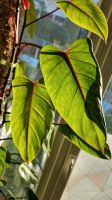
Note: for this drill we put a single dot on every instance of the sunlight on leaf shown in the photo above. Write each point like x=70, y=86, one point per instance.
x=85, y=14
x=31, y=117
x=73, y=81
x=20, y=68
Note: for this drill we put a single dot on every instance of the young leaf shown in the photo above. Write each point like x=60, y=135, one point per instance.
x=31, y=15
x=75, y=139
x=2, y=160
x=26, y=4
x=73, y=81
x=85, y=14
x=31, y=116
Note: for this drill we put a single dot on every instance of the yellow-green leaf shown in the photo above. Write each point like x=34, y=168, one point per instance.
x=73, y=81
x=85, y=14
x=31, y=116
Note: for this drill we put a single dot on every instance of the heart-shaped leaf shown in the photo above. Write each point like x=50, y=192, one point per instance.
x=73, y=81
x=75, y=139
x=85, y=14
x=31, y=116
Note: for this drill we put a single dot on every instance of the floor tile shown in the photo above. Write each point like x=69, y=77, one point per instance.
x=74, y=180
x=109, y=193
x=100, y=179
x=101, y=196
x=91, y=179
x=108, y=184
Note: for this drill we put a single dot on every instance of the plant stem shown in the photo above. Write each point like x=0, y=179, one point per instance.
x=6, y=139
x=57, y=124
x=17, y=47
x=23, y=26
x=17, y=30
x=46, y=15
x=29, y=44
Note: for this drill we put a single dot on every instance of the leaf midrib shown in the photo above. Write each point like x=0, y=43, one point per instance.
x=66, y=57
x=29, y=115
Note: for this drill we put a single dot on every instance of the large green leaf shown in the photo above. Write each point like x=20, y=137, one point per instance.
x=85, y=14
x=2, y=160
x=75, y=139
x=73, y=81
x=31, y=116
x=31, y=15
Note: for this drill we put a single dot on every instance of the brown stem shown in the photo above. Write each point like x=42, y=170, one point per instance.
x=30, y=44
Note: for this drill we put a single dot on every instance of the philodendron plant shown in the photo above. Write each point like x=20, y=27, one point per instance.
x=73, y=85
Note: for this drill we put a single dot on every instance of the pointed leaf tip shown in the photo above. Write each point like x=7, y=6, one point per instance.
x=85, y=14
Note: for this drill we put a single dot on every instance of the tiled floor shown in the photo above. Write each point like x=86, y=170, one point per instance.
x=91, y=179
